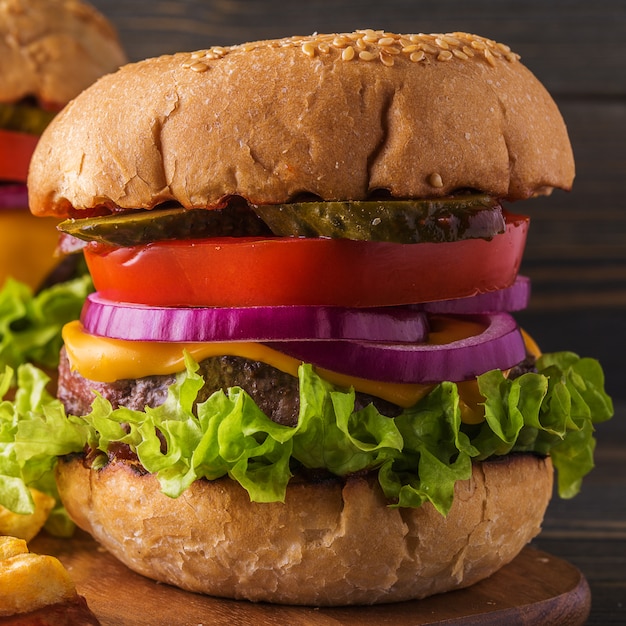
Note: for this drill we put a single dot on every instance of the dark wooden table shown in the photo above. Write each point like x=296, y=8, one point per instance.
x=576, y=254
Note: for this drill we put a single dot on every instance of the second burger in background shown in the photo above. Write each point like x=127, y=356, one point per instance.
x=50, y=50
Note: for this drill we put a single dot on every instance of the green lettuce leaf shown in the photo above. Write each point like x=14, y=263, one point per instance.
x=419, y=455
x=30, y=325
x=34, y=432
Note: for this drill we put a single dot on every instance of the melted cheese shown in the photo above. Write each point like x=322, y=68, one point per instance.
x=27, y=246
x=531, y=345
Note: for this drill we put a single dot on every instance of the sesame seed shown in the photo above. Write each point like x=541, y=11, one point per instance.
x=460, y=55
x=361, y=43
x=348, y=53
x=198, y=66
x=444, y=55
x=308, y=48
x=386, y=41
x=386, y=59
x=426, y=47
x=453, y=41
x=420, y=55
x=435, y=180
x=324, y=47
x=370, y=38
x=364, y=55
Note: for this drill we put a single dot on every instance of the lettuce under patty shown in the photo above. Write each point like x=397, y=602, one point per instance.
x=418, y=455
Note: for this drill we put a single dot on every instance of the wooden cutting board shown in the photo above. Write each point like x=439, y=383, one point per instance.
x=536, y=588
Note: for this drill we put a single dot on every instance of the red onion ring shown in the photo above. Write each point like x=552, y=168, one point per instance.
x=136, y=322
x=13, y=196
x=499, y=346
x=513, y=298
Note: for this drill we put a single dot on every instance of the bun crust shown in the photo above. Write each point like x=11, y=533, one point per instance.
x=328, y=544
x=338, y=116
x=53, y=49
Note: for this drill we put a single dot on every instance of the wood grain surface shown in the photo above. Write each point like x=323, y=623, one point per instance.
x=576, y=253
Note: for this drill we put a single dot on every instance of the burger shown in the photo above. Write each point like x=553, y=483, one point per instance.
x=299, y=379
x=50, y=50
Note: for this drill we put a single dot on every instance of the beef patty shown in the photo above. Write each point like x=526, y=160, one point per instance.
x=275, y=393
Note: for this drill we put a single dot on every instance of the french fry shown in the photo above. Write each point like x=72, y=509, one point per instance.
x=11, y=546
x=30, y=581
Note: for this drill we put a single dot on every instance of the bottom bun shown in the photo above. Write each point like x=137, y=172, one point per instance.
x=331, y=543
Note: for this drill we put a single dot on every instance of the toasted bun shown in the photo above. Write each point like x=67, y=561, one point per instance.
x=328, y=544
x=338, y=116
x=53, y=49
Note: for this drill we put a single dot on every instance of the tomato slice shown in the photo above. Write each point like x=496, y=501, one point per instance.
x=251, y=271
x=16, y=150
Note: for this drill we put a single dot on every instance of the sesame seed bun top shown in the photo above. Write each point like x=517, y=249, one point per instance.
x=53, y=49
x=339, y=116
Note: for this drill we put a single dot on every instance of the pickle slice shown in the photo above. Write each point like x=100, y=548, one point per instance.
x=24, y=118
x=138, y=227
x=400, y=221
